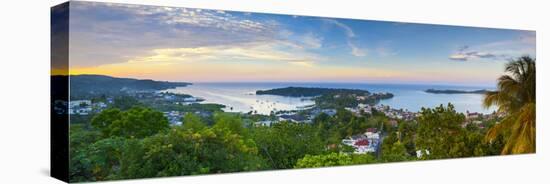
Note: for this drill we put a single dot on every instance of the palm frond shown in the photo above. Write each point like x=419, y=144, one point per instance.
x=516, y=97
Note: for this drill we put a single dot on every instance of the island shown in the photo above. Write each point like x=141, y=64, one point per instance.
x=451, y=91
x=330, y=97
x=309, y=91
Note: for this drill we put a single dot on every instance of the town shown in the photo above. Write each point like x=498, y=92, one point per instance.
x=175, y=106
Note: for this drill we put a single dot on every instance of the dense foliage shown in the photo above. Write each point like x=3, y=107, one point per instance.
x=309, y=92
x=284, y=143
x=138, y=142
x=334, y=159
x=92, y=85
x=440, y=135
x=133, y=138
x=330, y=97
x=136, y=122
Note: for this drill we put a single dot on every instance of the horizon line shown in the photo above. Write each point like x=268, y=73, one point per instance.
x=318, y=82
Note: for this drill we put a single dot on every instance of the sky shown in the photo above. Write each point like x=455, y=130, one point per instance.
x=198, y=45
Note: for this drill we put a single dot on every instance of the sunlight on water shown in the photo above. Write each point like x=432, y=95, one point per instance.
x=239, y=98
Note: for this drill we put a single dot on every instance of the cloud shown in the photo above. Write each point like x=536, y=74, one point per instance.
x=462, y=55
x=356, y=51
x=349, y=32
x=523, y=43
x=350, y=35
x=107, y=33
x=254, y=52
x=312, y=41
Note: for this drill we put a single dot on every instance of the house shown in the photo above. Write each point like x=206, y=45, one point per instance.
x=80, y=107
x=420, y=153
x=264, y=123
x=293, y=118
x=473, y=115
x=190, y=99
x=372, y=130
x=330, y=112
x=101, y=105
x=372, y=135
x=174, y=117
x=363, y=143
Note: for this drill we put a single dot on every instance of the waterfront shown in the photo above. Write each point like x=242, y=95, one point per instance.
x=240, y=97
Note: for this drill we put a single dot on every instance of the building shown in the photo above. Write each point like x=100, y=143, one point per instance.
x=80, y=107
x=473, y=115
x=174, y=117
x=294, y=118
x=264, y=123
x=363, y=143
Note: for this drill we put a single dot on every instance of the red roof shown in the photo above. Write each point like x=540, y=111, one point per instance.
x=362, y=142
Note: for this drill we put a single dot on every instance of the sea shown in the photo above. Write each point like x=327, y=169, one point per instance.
x=241, y=97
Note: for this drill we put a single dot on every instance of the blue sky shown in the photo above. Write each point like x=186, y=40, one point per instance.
x=184, y=44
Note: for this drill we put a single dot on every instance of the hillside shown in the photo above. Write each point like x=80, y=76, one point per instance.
x=84, y=85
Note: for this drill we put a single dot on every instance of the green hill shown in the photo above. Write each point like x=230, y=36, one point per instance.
x=90, y=85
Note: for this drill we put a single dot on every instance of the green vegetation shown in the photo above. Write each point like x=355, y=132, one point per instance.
x=125, y=102
x=516, y=97
x=330, y=97
x=93, y=85
x=334, y=159
x=138, y=142
x=136, y=122
x=193, y=122
x=440, y=132
x=284, y=143
x=189, y=108
x=309, y=92
x=133, y=139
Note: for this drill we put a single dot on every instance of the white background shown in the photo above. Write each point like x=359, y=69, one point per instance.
x=24, y=90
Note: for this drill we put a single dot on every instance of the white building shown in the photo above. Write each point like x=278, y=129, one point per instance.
x=264, y=123
x=80, y=107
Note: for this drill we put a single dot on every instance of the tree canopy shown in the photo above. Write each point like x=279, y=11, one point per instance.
x=136, y=122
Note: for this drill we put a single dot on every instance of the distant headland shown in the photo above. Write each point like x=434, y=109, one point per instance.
x=451, y=91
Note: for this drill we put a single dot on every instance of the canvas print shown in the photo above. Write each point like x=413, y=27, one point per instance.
x=157, y=91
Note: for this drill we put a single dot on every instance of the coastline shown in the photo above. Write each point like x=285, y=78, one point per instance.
x=407, y=97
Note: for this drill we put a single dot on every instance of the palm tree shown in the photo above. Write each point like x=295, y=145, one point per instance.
x=515, y=98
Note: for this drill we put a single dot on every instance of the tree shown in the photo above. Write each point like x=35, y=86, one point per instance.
x=125, y=102
x=397, y=152
x=393, y=150
x=334, y=159
x=331, y=159
x=180, y=152
x=104, y=158
x=80, y=166
x=406, y=134
x=231, y=122
x=193, y=122
x=515, y=97
x=284, y=143
x=136, y=122
x=438, y=132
